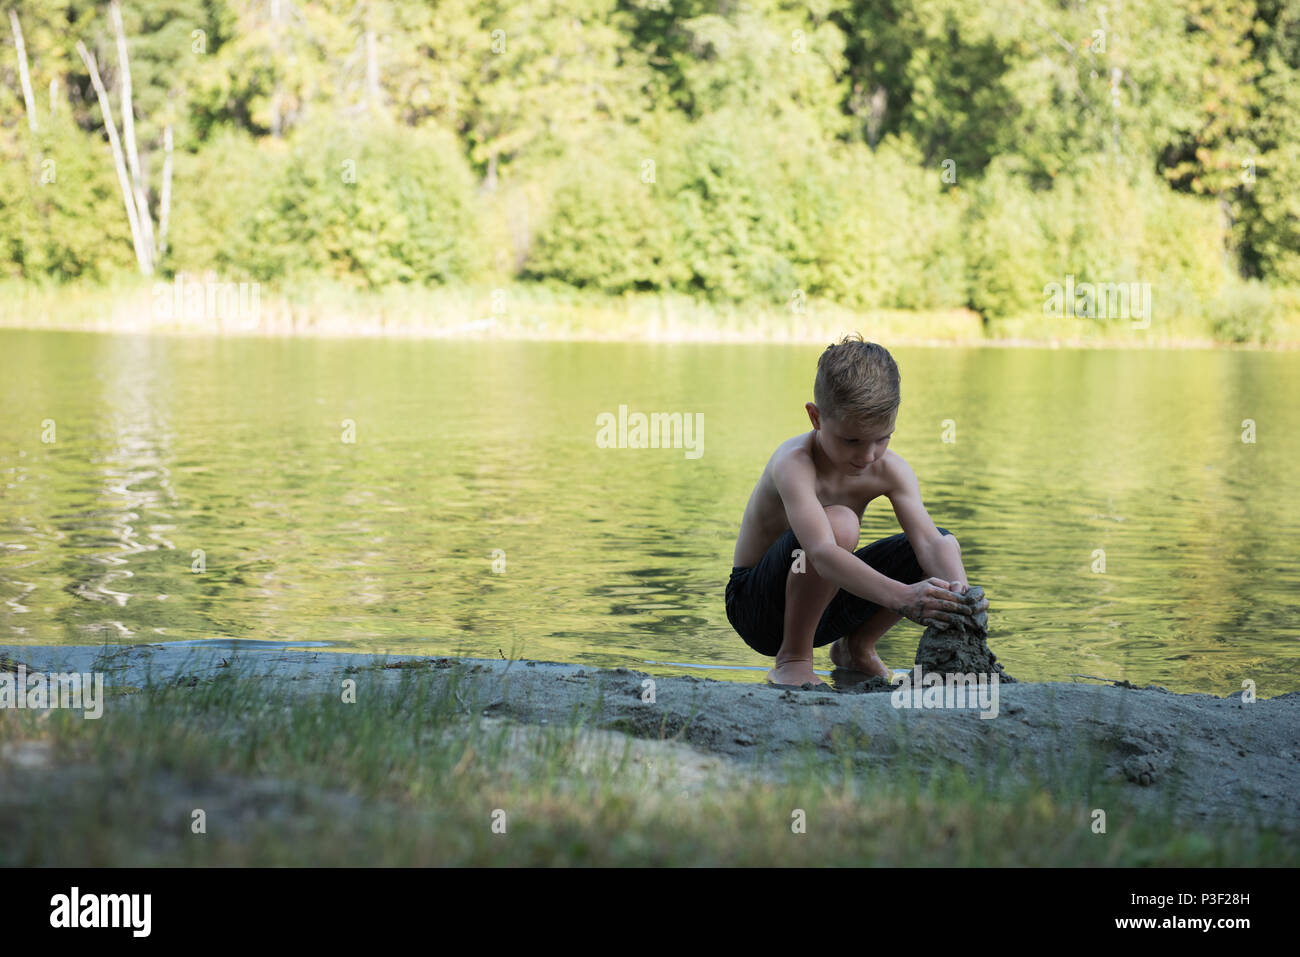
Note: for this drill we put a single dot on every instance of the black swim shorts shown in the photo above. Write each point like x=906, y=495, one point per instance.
x=756, y=595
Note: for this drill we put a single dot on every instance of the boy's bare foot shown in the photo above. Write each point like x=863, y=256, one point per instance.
x=795, y=671
x=870, y=664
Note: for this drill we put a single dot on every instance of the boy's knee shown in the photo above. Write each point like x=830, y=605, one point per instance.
x=844, y=525
x=951, y=537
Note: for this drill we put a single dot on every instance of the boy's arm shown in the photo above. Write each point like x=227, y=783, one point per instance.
x=937, y=553
x=795, y=480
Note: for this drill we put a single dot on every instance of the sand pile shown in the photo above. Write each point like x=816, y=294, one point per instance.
x=962, y=648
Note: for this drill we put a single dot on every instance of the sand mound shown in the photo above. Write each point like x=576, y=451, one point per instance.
x=962, y=648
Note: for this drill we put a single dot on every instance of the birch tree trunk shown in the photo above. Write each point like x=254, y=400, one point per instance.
x=143, y=254
x=275, y=93
x=128, y=132
x=372, y=74
x=23, y=76
x=165, y=204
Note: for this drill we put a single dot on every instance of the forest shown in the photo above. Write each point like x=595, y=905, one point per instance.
x=876, y=154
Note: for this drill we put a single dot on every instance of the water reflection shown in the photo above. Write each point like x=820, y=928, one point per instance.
x=204, y=489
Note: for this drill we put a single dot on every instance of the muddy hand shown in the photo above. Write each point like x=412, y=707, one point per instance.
x=978, y=604
x=981, y=605
x=932, y=602
x=963, y=589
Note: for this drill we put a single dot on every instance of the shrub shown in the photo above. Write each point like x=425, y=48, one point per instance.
x=368, y=205
x=61, y=210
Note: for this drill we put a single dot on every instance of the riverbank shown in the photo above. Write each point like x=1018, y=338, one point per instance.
x=190, y=306
x=411, y=759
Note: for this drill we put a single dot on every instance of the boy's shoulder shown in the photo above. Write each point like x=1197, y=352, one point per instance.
x=801, y=442
x=797, y=448
x=895, y=474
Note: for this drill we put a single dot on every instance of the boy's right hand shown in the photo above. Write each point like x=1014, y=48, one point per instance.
x=930, y=602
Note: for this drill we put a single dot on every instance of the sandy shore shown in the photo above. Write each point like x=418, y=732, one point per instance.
x=1211, y=760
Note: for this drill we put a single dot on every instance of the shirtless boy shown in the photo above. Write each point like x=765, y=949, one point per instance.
x=797, y=582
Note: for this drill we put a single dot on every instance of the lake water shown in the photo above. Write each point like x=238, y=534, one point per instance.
x=179, y=489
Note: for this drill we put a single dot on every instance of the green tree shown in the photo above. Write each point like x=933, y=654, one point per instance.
x=1268, y=205
x=369, y=204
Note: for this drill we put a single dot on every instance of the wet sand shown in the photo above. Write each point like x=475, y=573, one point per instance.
x=1211, y=760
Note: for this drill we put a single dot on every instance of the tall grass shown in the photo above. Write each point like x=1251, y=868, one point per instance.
x=1245, y=313
x=288, y=774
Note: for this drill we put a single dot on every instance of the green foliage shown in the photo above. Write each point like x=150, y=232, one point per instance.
x=902, y=154
x=61, y=211
x=895, y=240
x=743, y=210
x=719, y=208
x=733, y=211
x=1267, y=229
x=1246, y=311
x=1008, y=259
x=215, y=188
x=370, y=204
x=1095, y=225
x=1208, y=160
x=606, y=228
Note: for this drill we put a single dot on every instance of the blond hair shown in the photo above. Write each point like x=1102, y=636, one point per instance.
x=856, y=380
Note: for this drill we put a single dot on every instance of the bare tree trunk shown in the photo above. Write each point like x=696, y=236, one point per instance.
x=128, y=131
x=275, y=93
x=372, y=73
x=142, y=253
x=54, y=95
x=165, y=205
x=876, y=118
x=1225, y=224
x=23, y=76
x=520, y=235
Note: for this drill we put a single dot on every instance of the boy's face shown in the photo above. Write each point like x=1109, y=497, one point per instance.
x=851, y=444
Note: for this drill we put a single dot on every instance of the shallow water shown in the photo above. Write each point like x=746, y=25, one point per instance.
x=468, y=454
